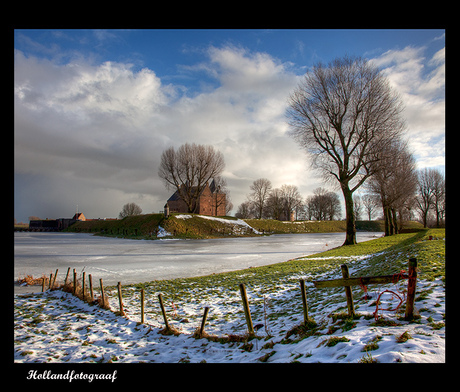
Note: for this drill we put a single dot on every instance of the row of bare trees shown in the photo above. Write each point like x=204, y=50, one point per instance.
x=264, y=201
x=285, y=202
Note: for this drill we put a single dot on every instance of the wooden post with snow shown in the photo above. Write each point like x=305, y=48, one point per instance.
x=348, y=293
x=163, y=311
x=102, y=294
x=411, y=287
x=304, y=301
x=203, y=321
x=247, y=313
x=83, y=285
x=67, y=276
x=74, y=281
x=142, y=306
x=91, y=287
x=120, y=300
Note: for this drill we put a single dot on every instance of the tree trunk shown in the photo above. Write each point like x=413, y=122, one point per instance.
x=395, y=221
x=351, y=228
x=387, y=221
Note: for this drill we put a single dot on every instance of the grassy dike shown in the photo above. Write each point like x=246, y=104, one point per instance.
x=149, y=227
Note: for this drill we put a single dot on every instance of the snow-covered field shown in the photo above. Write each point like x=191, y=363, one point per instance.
x=56, y=327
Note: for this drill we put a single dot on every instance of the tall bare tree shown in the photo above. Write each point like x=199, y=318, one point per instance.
x=258, y=197
x=342, y=114
x=189, y=170
x=394, y=181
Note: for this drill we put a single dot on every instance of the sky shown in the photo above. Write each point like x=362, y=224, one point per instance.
x=94, y=109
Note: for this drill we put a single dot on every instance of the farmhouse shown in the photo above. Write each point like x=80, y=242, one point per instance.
x=210, y=202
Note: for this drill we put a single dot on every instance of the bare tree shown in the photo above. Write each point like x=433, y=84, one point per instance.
x=189, y=169
x=430, y=195
x=130, y=209
x=394, y=181
x=260, y=191
x=245, y=210
x=291, y=198
x=275, y=204
x=357, y=206
x=342, y=114
x=323, y=205
x=370, y=203
x=439, y=196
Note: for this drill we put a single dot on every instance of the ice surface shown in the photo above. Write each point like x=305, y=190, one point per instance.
x=136, y=261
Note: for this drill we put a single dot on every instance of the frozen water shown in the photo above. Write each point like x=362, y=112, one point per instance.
x=136, y=261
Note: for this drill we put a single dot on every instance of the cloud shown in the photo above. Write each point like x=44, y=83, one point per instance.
x=92, y=133
x=421, y=85
x=104, y=127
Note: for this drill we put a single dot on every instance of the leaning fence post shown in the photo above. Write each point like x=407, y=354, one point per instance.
x=304, y=301
x=120, y=300
x=102, y=293
x=55, y=275
x=349, y=294
x=49, y=283
x=247, y=313
x=203, y=322
x=66, y=277
x=163, y=311
x=411, y=286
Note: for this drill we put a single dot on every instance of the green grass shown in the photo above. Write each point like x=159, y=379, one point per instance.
x=387, y=255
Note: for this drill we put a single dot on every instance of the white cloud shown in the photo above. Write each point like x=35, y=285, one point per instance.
x=421, y=84
x=104, y=126
x=98, y=130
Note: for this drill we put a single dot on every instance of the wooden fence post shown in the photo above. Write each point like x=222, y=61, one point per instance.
x=304, y=301
x=102, y=293
x=74, y=281
x=83, y=285
x=67, y=276
x=43, y=284
x=203, y=322
x=55, y=275
x=411, y=286
x=120, y=300
x=49, y=283
x=247, y=313
x=91, y=287
x=349, y=294
x=163, y=311
x=142, y=306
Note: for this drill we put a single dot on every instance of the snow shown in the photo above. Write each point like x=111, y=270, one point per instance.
x=163, y=233
x=237, y=222
x=57, y=327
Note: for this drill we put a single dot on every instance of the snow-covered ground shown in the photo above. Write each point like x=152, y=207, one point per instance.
x=57, y=327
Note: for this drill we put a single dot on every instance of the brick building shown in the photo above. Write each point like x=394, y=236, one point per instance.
x=210, y=202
